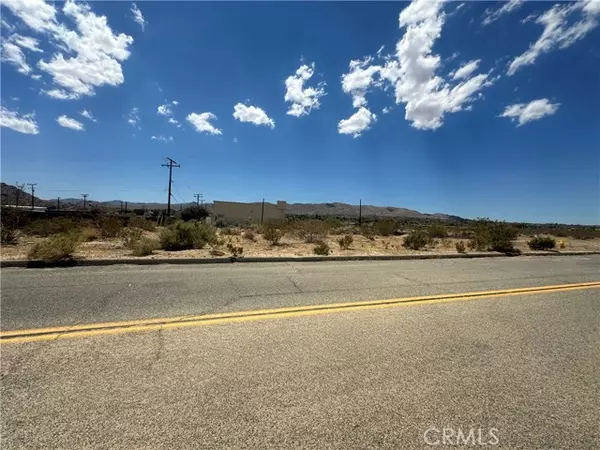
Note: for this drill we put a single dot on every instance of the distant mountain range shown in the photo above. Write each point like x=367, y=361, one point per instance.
x=10, y=194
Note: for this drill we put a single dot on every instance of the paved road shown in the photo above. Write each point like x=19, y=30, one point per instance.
x=523, y=365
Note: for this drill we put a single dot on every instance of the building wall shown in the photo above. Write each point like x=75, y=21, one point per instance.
x=248, y=212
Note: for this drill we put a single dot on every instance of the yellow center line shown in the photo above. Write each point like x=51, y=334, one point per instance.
x=132, y=326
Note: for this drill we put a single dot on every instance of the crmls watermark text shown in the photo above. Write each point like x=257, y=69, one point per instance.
x=458, y=436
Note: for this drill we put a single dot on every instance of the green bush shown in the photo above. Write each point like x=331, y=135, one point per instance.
x=272, y=233
x=110, y=226
x=193, y=213
x=47, y=227
x=367, y=232
x=494, y=236
x=345, y=241
x=437, y=230
x=187, y=235
x=321, y=249
x=227, y=232
x=416, y=240
x=460, y=247
x=386, y=227
x=130, y=236
x=143, y=247
x=140, y=222
x=541, y=243
x=55, y=248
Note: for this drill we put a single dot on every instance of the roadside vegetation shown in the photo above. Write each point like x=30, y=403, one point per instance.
x=103, y=234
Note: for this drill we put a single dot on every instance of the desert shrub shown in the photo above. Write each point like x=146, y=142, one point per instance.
x=143, y=247
x=130, y=236
x=312, y=231
x=235, y=251
x=140, y=222
x=437, y=230
x=584, y=233
x=386, y=227
x=321, y=249
x=193, y=213
x=228, y=231
x=345, y=241
x=187, y=235
x=416, y=240
x=249, y=234
x=367, y=232
x=110, y=226
x=541, y=243
x=493, y=235
x=48, y=227
x=460, y=247
x=55, y=248
x=88, y=234
x=272, y=233
x=9, y=222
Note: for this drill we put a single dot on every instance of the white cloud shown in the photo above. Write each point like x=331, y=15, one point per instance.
x=252, y=114
x=134, y=118
x=26, y=42
x=557, y=32
x=426, y=95
x=88, y=115
x=175, y=102
x=37, y=14
x=163, y=138
x=201, y=123
x=235, y=140
x=359, y=79
x=25, y=124
x=531, y=111
x=492, y=15
x=92, y=53
x=173, y=121
x=357, y=123
x=12, y=54
x=386, y=110
x=36, y=76
x=303, y=100
x=164, y=110
x=61, y=94
x=67, y=122
x=466, y=69
x=5, y=25
x=138, y=16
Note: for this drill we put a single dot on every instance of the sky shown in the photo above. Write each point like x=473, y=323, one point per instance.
x=478, y=109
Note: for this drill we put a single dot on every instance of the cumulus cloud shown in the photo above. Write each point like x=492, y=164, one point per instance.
x=360, y=121
x=26, y=42
x=90, y=56
x=67, y=122
x=12, y=54
x=558, y=33
x=201, y=122
x=252, y=114
x=491, y=15
x=162, y=138
x=25, y=124
x=133, y=118
x=303, y=100
x=88, y=115
x=360, y=78
x=466, y=69
x=138, y=17
x=526, y=112
x=412, y=73
x=164, y=110
x=61, y=94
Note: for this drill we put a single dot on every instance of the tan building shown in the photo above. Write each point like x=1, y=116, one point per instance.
x=249, y=212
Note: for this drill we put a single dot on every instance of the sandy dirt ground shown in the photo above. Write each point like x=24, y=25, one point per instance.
x=289, y=246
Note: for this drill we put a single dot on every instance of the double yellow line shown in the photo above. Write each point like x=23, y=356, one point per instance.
x=134, y=326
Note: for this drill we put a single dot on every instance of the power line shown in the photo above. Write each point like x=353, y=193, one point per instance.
x=85, y=196
x=20, y=187
x=171, y=164
x=199, y=199
x=33, y=185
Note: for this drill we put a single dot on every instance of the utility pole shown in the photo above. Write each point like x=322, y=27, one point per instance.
x=171, y=164
x=125, y=207
x=198, y=199
x=360, y=212
x=58, y=204
x=85, y=196
x=33, y=185
x=262, y=211
x=20, y=187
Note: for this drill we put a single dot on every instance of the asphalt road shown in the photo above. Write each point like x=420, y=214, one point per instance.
x=523, y=368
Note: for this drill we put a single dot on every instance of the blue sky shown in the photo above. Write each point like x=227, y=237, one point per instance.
x=480, y=109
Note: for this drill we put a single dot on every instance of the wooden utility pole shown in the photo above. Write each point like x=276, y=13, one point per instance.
x=33, y=185
x=20, y=187
x=58, y=204
x=85, y=196
x=360, y=212
x=262, y=211
x=198, y=199
x=171, y=164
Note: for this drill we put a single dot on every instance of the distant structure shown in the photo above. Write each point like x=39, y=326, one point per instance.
x=249, y=212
